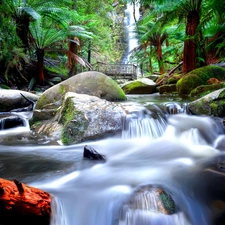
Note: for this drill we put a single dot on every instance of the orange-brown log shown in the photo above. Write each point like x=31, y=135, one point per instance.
x=22, y=204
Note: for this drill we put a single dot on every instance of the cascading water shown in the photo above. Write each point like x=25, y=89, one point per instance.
x=182, y=158
x=131, y=14
x=141, y=122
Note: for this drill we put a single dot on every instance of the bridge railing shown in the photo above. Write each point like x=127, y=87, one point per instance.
x=118, y=71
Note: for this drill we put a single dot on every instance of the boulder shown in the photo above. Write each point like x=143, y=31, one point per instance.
x=167, y=88
x=90, y=83
x=153, y=199
x=15, y=99
x=139, y=86
x=149, y=205
x=212, y=104
x=198, y=77
x=153, y=77
x=81, y=117
x=202, y=90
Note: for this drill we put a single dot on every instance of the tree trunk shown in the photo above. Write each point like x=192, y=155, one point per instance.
x=159, y=55
x=89, y=53
x=40, y=65
x=189, y=55
x=150, y=60
x=73, y=49
x=74, y=4
x=22, y=31
x=21, y=204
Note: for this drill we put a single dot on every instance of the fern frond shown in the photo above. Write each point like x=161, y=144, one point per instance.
x=31, y=12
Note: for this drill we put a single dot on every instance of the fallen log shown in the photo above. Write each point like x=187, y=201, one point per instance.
x=21, y=204
x=169, y=74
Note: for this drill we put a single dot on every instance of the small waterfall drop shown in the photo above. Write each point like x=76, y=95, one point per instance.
x=151, y=205
x=143, y=123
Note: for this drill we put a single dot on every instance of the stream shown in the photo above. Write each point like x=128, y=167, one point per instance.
x=161, y=145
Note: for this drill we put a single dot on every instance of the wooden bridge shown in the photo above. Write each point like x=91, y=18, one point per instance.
x=118, y=71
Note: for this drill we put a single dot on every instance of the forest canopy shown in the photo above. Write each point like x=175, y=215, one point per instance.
x=39, y=39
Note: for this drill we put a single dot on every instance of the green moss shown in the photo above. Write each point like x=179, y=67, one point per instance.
x=203, y=90
x=129, y=87
x=199, y=77
x=62, y=90
x=222, y=94
x=218, y=108
x=114, y=86
x=171, y=80
x=188, y=83
x=201, y=107
x=168, y=202
x=122, y=96
x=42, y=101
x=74, y=124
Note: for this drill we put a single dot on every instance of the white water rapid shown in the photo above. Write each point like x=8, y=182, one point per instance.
x=184, y=157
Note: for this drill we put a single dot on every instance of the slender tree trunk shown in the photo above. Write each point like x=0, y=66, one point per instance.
x=22, y=30
x=72, y=62
x=40, y=65
x=150, y=60
x=74, y=4
x=189, y=55
x=159, y=55
x=203, y=52
x=89, y=53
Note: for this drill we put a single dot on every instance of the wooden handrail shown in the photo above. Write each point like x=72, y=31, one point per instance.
x=118, y=71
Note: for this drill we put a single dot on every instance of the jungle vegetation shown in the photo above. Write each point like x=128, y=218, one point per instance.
x=173, y=31
x=43, y=42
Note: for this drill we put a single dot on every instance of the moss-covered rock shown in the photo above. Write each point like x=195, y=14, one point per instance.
x=199, y=77
x=90, y=83
x=147, y=199
x=172, y=79
x=167, y=88
x=140, y=86
x=203, y=90
x=80, y=118
x=212, y=104
x=74, y=122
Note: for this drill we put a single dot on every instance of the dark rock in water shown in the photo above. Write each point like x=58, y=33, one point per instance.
x=10, y=121
x=91, y=153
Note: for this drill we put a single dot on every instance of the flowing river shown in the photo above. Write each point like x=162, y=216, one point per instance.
x=161, y=145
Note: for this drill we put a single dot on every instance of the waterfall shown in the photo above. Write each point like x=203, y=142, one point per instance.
x=141, y=122
x=131, y=14
x=14, y=123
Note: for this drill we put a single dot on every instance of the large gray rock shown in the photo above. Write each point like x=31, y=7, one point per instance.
x=90, y=83
x=81, y=117
x=212, y=104
x=12, y=99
